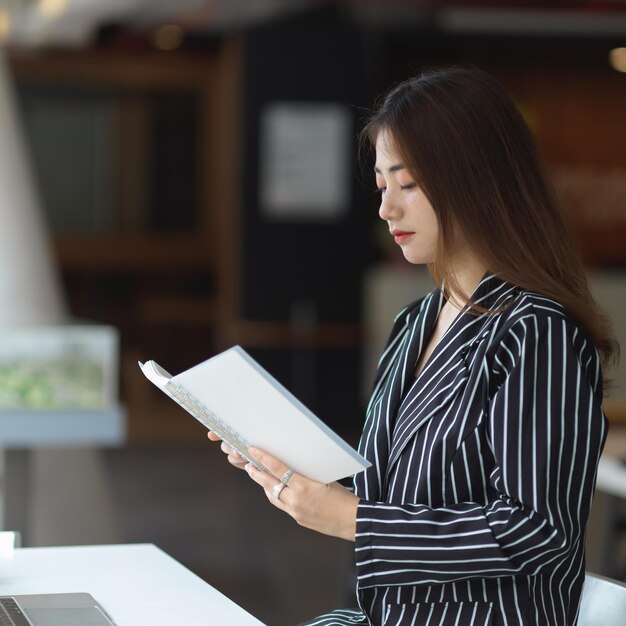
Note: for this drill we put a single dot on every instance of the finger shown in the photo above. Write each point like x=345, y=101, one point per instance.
x=275, y=466
x=237, y=460
x=238, y=463
x=225, y=448
x=234, y=456
x=263, y=479
x=268, y=483
x=213, y=436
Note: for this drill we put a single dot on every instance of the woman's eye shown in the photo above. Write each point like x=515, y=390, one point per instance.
x=380, y=190
x=409, y=186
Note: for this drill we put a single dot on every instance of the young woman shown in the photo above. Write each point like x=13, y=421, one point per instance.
x=485, y=424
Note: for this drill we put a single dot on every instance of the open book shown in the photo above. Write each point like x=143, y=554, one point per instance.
x=232, y=395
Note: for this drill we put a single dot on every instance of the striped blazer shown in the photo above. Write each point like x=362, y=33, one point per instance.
x=483, y=468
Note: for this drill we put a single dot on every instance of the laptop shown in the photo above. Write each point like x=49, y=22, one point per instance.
x=52, y=609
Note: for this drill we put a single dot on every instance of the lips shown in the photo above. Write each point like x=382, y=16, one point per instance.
x=400, y=236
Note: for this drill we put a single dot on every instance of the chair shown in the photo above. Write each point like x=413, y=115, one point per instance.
x=603, y=602
x=611, y=482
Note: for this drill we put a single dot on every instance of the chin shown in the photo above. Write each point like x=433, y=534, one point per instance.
x=415, y=258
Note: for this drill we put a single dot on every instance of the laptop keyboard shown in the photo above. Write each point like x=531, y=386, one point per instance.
x=11, y=614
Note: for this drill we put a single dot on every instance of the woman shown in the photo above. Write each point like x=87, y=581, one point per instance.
x=485, y=427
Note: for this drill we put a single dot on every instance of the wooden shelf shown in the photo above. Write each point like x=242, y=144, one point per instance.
x=282, y=335
x=148, y=284
x=133, y=253
x=106, y=69
x=166, y=310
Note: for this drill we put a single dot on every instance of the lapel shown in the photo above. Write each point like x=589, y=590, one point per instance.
x=410, y=334
x=408, y=337
x=420, y=327
x=445, y=372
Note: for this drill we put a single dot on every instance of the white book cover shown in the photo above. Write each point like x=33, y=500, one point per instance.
x=261, y=412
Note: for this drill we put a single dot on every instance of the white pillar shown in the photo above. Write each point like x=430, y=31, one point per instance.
x=30, y=290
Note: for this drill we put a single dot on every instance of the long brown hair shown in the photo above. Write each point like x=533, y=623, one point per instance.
x=468, y=146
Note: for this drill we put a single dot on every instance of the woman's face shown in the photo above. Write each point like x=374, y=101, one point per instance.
x=404, y=206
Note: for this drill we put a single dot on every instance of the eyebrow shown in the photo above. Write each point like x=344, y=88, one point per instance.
x=394, y=168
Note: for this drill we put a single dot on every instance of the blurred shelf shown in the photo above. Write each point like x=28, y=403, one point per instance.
x=256, y=334
x=167, y=310
x=132, y=254
x=106, y=69
x=165, y=423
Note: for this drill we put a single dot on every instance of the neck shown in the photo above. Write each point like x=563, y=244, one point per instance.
x=468, y=270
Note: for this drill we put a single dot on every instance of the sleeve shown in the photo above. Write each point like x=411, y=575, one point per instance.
x=544, y=430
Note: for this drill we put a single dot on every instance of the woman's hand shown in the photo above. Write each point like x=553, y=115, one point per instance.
x=234, y=458
x=328, y=509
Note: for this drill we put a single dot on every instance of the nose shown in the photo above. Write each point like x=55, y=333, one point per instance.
x=388, y=208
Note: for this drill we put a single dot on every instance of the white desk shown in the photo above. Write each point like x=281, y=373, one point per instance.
x=139, y=584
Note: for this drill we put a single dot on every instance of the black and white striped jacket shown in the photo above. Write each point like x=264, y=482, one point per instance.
x=483, y=468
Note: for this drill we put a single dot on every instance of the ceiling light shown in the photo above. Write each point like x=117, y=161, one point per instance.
x=51, y=9
x=5, y=25
x=617, y=59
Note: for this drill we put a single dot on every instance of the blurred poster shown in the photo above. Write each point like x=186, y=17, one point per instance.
x=305, y=161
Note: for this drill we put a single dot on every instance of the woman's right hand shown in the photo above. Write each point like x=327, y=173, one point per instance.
x=234, y=458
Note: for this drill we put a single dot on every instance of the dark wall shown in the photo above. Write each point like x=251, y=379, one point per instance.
x=312, y=58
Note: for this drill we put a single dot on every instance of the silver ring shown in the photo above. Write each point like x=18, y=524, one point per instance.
x=278, y=487
x=286, y=476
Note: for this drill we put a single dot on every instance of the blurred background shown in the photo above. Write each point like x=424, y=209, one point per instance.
x=194, y=183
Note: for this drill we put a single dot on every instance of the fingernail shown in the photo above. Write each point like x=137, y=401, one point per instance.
x=253, y=449
x=248, y=467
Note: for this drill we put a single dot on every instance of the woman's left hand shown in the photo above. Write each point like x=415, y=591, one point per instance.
x=328, y=509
